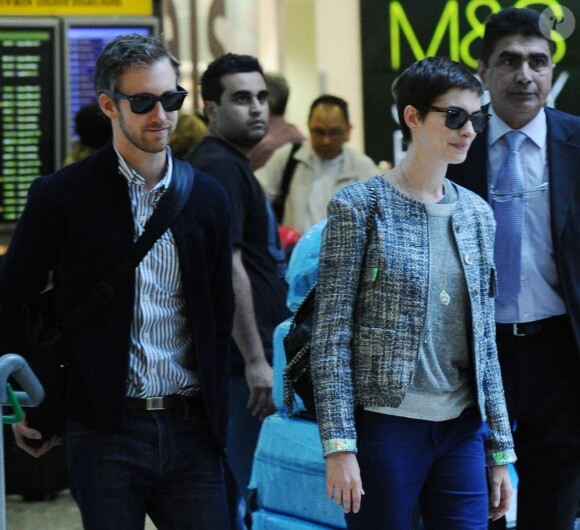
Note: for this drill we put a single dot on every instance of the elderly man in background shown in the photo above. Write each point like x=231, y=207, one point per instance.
x=300, y=179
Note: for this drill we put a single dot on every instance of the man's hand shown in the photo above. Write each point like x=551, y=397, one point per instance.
x=22, y=432
x=343, y=482
x=259, y=379
x=245, y=332
x=500, y=491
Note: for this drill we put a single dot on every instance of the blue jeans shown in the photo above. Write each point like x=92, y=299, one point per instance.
x=164, y=464
x=441, y=465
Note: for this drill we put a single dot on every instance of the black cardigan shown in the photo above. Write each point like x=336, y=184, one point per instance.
x=78, y=223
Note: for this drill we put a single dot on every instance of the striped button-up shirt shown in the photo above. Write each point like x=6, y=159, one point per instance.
x=160, y=349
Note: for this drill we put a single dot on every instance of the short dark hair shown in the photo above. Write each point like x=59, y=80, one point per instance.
x=425, y=80
x=511, y=21
x=278, y=93
x=229, y=63
x=327, y=99
x=92, y=126
x=126, y=51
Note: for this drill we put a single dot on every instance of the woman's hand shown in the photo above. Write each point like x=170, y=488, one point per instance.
x=500, y=491
x=343, y=483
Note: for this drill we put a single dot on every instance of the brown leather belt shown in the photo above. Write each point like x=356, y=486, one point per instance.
x=524, y=329
x=159, y=402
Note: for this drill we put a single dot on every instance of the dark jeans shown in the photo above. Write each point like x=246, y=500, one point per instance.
x=441, y=465
x=541, y=375
x=243, y=433
x=164, y=464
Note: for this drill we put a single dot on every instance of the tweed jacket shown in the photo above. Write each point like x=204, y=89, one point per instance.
x=371, y=310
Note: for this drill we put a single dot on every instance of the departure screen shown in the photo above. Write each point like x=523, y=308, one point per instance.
x=28, y=130
x=85, y=43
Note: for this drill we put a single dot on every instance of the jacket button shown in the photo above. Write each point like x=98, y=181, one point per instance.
x=474, y=292
x=458, y=227
x=468, y=259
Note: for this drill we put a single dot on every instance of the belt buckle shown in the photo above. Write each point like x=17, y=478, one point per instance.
x=154, y=403
x=515, y=330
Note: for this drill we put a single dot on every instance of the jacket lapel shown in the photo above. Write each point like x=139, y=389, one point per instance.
x=563, y=159
x=474, y=168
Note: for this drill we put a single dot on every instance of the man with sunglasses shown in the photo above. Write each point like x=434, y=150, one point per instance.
x=538, y=302
x=300, y=179
x=235, y=98
x=147, y=378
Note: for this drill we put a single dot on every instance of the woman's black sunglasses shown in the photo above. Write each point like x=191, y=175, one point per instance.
x=456, y=117
x=144, y=103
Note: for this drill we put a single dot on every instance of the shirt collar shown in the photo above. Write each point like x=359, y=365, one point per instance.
x=133, y=177
x=325, y=163
x=536, y=130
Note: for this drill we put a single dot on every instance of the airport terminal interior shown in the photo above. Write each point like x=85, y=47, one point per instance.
x=320, y=48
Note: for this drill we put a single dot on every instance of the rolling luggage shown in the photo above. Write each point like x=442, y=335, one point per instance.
x=289, y=473
x=264, y=520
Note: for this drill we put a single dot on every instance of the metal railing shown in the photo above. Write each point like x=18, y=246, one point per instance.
x=14, y=366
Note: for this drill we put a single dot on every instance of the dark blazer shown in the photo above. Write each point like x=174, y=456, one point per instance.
x=78, y=223
x=563, y=150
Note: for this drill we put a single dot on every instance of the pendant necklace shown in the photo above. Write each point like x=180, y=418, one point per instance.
x=444, y=297
x=404, y=184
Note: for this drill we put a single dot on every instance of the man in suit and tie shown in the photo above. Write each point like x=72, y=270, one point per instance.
x=527, y=165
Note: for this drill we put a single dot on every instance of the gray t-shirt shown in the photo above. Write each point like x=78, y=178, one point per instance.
x=441, y=387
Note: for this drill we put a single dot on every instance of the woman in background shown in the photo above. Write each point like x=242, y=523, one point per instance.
x=94, y=131
x=189, y=131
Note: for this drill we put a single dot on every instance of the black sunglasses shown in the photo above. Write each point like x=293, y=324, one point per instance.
x=144, y=103
x=455, y=117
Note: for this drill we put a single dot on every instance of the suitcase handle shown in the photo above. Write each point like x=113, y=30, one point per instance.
x=17, y=413
x=32, y=393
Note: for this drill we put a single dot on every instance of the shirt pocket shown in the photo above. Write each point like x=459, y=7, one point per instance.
x=382, y=362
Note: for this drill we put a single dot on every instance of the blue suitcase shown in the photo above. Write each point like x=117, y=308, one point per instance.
x=289, y=472
x=264, y=520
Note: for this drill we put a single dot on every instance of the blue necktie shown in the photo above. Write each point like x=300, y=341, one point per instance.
x=509, y=215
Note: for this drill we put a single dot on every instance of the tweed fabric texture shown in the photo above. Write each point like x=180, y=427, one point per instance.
x=371, y=309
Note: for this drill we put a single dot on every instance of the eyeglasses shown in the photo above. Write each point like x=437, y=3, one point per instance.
x=331, y=133
x=144, y=103
x=457, y=117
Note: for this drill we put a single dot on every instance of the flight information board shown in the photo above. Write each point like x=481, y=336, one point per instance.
x=85, y=39
x=29, y=114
